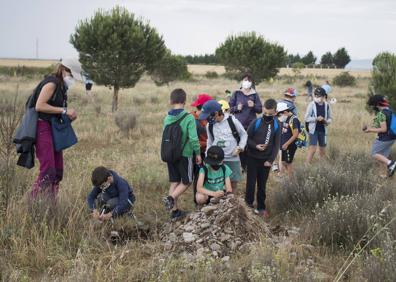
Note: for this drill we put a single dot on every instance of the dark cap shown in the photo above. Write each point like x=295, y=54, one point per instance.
x=319, y=91
x=210, y=107
x=214, y=156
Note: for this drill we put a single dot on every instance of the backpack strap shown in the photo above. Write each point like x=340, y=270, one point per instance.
x=224, y=172
x=211, y=130
x=178, y=122
x=388, y=115
x=256, y=125
x=276, y=126
x=206, y=173
x=233, y=129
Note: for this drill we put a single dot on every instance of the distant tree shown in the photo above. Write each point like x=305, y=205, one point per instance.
x=116, y=48
x=327, y=59
x=292, y=59
x=250, y=52
x=383, y=79
x=207, y=59
x=168, y=69
x=344, y=79
x=309, y=59
x=341, y=58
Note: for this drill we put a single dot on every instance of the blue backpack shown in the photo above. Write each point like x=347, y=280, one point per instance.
x=391, y=123
x=258, y=123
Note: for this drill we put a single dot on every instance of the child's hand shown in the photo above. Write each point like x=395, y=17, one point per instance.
x=95, y=214
x=267, y=164
x=239, y=107
x=250, y=104
x=285, y=146
x=219, y=194
x=198, y=159
x=261, y=147
x=106, y=216
x=320, y=118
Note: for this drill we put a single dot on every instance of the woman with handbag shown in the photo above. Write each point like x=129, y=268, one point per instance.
x=51, y=104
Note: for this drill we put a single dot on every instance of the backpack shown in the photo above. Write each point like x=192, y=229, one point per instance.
x=391, y=123
x=258, y=123
x=233, y=130
x=206, y=172
x=302, y=137
x=171, y=144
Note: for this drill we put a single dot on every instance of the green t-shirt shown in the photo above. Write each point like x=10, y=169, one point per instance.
x=215, y=178
x=379, y=117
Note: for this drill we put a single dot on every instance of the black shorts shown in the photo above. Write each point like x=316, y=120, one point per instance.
x=181, y=171
x=288, y=155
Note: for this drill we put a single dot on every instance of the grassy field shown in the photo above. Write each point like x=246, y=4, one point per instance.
x=337, y=205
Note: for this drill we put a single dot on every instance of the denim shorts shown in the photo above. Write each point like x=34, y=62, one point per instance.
x=382, y=147
x=318, y=137
x=235, y=167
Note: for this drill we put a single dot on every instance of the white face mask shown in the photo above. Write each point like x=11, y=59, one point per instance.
x=246, y=84
x=318, y=100
x=282, y=118
x=68, y=81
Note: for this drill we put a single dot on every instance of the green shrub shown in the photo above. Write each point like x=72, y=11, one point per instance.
x=344, y=79
x=342, y=175
x=25, y=71
x=211, y=74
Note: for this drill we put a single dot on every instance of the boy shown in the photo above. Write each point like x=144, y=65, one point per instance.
x=263, y=146
x=318, y=117
x=214, y=178
x=289, y=97
x=382, y=145
x=201, y=131
x=227, y=132
x=111, y=196
x=290, y=129
x=180, y=170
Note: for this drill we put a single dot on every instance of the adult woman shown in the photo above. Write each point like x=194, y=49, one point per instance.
x=51, y=100
x=245, y=104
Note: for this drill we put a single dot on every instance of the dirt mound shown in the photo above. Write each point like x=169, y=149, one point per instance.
x=218, y=229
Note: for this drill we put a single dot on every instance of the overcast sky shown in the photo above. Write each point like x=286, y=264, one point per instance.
x=364, y=27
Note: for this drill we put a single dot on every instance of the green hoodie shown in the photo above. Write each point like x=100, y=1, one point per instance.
x=189, y=129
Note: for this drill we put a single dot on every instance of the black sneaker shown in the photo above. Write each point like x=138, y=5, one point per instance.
x=169, y=202
x=391, y=168
x=177, y=214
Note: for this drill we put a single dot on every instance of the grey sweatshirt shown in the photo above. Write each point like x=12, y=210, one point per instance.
x=223, y=137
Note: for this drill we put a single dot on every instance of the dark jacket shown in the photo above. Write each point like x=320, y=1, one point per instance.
x=264, y=134
x=25, y=135
x=247, y=114
x=119, y=188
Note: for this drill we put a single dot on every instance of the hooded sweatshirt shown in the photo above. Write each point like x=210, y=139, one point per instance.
x=119, y=188
x=189, y=130
x=247, y=114
x=223, y=137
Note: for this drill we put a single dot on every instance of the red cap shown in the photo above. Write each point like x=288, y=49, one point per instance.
x=201, y=99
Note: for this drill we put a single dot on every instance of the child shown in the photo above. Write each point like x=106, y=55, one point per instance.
x=309, y=87
x=111, y=196
x=290, y=130
x=289, y=97
x=228, y=133
x=263, y=146
x=214, y=178
x=382, y=145
x=318, y=117
x=201, y=131
x=179, y=158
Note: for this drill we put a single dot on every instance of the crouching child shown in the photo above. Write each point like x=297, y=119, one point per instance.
x=214, y=177
x=111, y=195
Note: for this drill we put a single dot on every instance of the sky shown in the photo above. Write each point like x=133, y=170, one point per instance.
x=364, y=27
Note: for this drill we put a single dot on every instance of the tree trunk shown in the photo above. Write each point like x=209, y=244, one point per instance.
x=114, y=106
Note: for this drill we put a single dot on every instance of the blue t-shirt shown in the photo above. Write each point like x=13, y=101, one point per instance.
x=320, y=111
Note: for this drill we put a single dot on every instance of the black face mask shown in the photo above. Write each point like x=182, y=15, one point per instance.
x=215, y=167
x=268, y=118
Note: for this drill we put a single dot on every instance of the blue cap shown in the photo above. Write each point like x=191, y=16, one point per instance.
x=209, y=108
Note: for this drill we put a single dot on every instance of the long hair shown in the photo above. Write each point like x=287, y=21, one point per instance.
x=58, y=72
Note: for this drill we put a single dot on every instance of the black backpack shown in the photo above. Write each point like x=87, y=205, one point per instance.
x=206, y=173
x=171, y=145
x=233, y=130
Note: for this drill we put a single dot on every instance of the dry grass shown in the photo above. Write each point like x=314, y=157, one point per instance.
x=61, y=243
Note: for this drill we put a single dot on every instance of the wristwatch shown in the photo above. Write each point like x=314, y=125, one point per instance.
x=64, y=111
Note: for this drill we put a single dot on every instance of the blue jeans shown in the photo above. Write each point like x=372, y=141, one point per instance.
x=318, y=137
